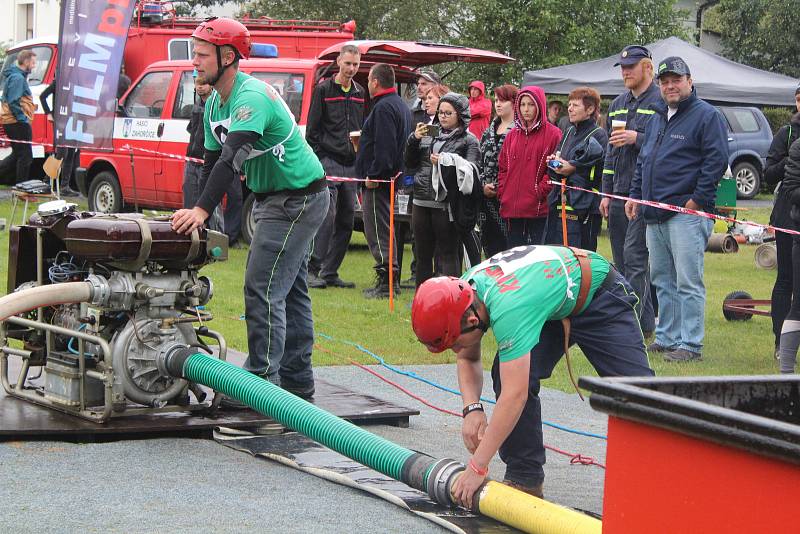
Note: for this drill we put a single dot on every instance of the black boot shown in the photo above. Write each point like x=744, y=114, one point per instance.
x=381, y=289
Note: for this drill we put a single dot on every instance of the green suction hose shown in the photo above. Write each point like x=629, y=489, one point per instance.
x=297, y=414
x=420, y=471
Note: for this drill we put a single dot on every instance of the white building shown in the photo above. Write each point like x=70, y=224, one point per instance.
x=28, y=19
x=39, y=18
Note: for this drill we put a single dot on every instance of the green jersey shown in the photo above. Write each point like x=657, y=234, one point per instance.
x=526, y=286
x=281, y=158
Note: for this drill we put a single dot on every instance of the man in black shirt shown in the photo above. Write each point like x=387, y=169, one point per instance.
x=337, y=108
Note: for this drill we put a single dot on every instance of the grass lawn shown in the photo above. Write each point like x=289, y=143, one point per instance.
x=730, y=347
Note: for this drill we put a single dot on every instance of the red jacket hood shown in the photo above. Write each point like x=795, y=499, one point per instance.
x=480, y=87
x=537, y=93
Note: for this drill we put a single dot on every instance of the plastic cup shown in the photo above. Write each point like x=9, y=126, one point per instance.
x=617, y=125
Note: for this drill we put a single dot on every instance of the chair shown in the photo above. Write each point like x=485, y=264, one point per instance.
x=30, y=191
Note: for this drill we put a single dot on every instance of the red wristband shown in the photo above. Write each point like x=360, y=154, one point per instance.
x=481, y=472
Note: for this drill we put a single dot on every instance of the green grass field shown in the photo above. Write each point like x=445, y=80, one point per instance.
x=730, y=347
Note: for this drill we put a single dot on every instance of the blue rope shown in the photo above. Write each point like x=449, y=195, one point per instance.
x=415, y=376
x=72, y=339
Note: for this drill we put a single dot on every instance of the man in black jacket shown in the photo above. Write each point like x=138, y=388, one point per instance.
x=337, y=108
x=380, y=157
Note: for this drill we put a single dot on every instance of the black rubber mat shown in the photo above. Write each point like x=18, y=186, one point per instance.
x=300, y=452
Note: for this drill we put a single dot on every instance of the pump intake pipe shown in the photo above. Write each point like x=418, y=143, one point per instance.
x=420, y=471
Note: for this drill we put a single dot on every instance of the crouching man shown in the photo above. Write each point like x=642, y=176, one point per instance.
x=529, y=296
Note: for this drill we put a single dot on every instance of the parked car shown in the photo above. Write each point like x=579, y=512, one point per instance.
x=749, y=137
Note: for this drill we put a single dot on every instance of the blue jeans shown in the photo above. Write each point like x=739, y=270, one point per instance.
x=275, y=286
x=677, y=248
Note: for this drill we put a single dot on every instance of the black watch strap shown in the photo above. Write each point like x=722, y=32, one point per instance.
x=474, y=407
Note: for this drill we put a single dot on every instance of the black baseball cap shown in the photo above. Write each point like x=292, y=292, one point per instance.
x=632, y=54
x=673, y=65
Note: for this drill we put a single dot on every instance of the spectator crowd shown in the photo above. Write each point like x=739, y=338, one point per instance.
x=484, y=175
x=506, y=166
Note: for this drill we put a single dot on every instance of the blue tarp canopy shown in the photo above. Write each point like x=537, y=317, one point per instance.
x=716, y=78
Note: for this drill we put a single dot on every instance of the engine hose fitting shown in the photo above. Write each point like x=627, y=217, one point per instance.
x=175, y=359
x=440, y=479
x=416, y=469
x=100, y=289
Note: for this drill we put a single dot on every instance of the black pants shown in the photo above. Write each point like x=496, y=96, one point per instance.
x=782, y=290
x=609, y=335
x=435, y=237
x=493, y=228
x=375, y=203
x=333, y=237
x=590, y=229
x=70, y=157
x=16, y=167
x=523, y=232
x=554, y=234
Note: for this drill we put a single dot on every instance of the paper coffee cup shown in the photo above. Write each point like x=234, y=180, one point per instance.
x=355, y=136
x=617, y=125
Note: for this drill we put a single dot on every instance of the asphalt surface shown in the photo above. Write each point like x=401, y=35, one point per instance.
x=187, y=484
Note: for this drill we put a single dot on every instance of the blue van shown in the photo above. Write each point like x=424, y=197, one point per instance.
x=749, y=137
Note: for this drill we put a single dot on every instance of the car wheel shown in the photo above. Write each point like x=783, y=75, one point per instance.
x=737, y=315
x=248, y=222
x=105, y=194
x=748, y=180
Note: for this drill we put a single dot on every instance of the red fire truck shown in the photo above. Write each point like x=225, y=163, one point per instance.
x=157, y=33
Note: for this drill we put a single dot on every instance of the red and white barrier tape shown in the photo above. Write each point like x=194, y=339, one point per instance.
x=680, y=209
x=157, y=153
x=35, y=143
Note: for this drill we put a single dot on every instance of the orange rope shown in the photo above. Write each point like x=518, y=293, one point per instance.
x=564, y=210
x=391, y=245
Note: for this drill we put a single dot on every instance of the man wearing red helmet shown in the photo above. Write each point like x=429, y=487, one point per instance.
x=249, y=130
x=524, y=294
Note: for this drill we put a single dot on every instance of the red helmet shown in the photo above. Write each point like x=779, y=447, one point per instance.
x=436, y=312
x=223, y=31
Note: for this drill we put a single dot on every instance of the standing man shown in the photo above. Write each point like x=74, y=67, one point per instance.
x=524, y=294
x=17, y=115
x=250, y=130
x=426, y=78
x=69, y=156
x=337, y=108
x=635, y=108
x=193, y=183
x=380, y=157
x=682, y=161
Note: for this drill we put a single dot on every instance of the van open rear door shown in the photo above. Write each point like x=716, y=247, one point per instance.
x=415, y=54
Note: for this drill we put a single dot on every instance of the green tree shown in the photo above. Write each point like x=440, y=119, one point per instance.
x=537, y=33
x=760, y=33
x=547, y=33
x=375, y=19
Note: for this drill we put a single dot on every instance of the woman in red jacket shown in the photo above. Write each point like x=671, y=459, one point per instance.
x=480, y=108
x=522, y=181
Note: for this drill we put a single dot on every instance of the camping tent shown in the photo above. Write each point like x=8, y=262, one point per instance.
x=716, y=78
